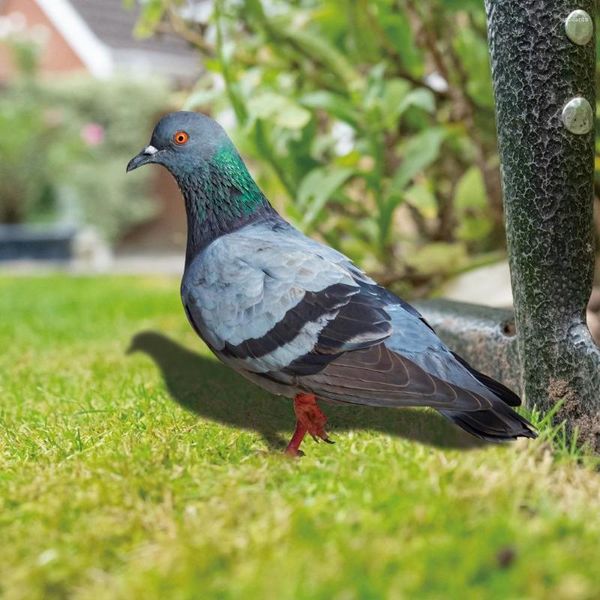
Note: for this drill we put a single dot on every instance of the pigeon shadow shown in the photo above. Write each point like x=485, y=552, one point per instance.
x=206, y=387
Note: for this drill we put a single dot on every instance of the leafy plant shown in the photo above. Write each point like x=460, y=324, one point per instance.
x=111, y=119
x=65, y=143
x=375, y=127
x=27, y=138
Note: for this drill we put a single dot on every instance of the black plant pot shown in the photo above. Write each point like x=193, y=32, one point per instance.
x=23, y=242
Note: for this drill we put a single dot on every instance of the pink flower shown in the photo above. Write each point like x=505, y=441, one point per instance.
x=92, y=134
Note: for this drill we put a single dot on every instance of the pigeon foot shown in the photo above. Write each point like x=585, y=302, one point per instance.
x=309, y=419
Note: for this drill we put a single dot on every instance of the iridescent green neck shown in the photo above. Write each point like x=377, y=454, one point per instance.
x=229, y=164
x=220, y=197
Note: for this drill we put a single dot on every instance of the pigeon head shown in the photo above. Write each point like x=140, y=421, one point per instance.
x=184, y=142
x=220, y=194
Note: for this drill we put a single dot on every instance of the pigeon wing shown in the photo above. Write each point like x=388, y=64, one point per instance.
x=266, y=301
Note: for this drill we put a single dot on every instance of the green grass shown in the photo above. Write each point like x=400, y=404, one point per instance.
x=158, y=474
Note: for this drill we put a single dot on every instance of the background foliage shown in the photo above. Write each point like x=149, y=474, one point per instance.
x=384, y=116
x=64, y=146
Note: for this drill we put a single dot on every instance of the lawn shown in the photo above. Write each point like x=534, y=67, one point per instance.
x=133, y=465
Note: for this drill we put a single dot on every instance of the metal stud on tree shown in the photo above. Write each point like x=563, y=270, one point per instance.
x=578, y=116
x=579, y=27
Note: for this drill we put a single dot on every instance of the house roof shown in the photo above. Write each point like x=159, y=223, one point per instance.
x=114, y=24
x=108, y=29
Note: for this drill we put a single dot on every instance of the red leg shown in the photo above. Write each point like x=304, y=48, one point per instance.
x=293, y=448
x=309, y=418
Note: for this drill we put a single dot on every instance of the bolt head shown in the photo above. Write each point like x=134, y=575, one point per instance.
x=579, y=27
x=578, y=116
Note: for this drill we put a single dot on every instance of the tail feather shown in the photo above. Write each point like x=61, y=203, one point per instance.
x=507, y=396
x=496, y=424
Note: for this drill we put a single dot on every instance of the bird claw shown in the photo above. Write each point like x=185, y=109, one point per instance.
x=322, y=436
x=310, y=420
x=294, y=452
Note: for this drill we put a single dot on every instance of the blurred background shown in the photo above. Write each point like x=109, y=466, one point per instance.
x=369, y=124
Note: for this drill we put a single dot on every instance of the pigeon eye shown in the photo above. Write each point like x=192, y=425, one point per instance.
x=181, y=138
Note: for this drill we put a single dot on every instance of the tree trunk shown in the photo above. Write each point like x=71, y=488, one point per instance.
x=547, y=177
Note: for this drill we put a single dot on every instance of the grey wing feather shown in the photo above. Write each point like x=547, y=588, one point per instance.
x=264, y=299
x=378, y=376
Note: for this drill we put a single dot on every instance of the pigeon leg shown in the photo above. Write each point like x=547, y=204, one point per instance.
x=309, y=419
x=293, y=448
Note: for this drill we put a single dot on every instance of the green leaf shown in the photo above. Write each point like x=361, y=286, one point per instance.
x=317, y=187
x=472, y=51
x=398, y=98
x=326, y=53
x=422, y=198
x=470, y=191
x=334, y=104
x=421, y=98
x=473, y=229
x=151, y=15
x=438, y=257
x=278, y=109
x=471, y=206
x=401, y=35
x=201, y=98
x=456, y=5
x=394, y=94
x=419, y=152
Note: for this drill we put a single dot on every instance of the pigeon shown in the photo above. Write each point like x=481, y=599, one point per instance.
x=299, y=318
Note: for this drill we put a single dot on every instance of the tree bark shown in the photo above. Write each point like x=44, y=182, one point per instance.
x=547, y=177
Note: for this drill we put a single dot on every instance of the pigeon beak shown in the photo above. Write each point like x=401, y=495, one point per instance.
x=143, y=158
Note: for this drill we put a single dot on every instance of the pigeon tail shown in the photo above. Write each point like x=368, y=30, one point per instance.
x=506, y=395
x=497, y=424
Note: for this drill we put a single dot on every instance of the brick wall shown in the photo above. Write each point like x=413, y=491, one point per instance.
x=58, y=57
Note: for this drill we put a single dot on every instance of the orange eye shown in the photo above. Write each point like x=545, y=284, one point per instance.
x=181, y=138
